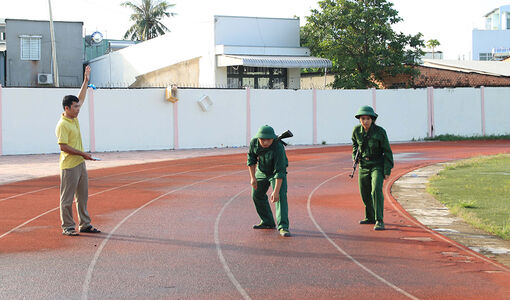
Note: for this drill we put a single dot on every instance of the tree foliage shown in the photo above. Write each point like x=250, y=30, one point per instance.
x=147, y=19
x=432, y=44
x=356, y=35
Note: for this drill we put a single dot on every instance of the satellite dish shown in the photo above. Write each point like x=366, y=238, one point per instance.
x=97, y=37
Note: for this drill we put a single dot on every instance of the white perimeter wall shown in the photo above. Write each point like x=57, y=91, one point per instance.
x=29, y=117
x=135, y=119
x=497, y=108
x=141, y=119
x=458, y=111
x=403, y=113
x=226, y=118
x=283, y=109
x=335, y=114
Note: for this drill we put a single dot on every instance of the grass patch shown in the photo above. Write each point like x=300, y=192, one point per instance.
x=451, y=137
x=477, y=190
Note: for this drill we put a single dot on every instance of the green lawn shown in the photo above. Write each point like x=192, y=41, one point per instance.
x=478, y=190
x=451, y=137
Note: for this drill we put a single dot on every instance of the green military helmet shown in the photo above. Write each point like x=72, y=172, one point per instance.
x=366, y=111
x=265, y=132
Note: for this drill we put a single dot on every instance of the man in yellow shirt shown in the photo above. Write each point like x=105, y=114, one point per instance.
x=73, y=175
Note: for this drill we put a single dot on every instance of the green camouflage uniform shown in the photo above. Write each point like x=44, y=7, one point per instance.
x=376, y=161
x=271, y=165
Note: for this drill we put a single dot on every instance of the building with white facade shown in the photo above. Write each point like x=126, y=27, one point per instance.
x=493, y=42
x=226, y=51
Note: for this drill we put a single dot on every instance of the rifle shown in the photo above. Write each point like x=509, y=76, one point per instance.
x=355, y=164
x=286, y=134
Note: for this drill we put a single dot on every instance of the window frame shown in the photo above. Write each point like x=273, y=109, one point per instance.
x=255, y=73
x=486, y=55
x=33, y=54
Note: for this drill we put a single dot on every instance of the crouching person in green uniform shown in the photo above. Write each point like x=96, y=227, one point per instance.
x=376, y=162
x=267, y=163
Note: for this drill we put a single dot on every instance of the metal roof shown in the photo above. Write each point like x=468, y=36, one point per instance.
x=491, y=12
x=273, y=61
x=493, y=68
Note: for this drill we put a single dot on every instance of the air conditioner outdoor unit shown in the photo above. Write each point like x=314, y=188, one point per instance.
x=44, y=78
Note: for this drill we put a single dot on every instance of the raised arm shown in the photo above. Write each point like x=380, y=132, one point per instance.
x=84, y=85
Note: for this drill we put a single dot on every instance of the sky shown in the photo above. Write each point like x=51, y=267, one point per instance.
x=449, y=21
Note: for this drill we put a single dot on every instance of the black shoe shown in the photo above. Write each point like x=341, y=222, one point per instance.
x=367, y=221
x=90, y=229
x=263, y=226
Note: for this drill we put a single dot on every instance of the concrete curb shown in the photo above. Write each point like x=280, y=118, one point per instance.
x=409, y=191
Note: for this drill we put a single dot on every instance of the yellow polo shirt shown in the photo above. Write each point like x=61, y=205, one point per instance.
x=68, y=132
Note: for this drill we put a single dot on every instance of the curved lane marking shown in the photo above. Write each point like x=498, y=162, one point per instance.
x=400, y=210
x=223, y=261
x=220, y=252
x=108, y=190
x=90, y=270
x=28, y=193
x=90, y=179
x=396, y=288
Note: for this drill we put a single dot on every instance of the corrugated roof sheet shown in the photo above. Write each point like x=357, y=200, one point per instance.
x=493, y=68
x=273, y=61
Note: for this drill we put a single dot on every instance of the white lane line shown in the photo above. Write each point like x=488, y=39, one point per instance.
x=26, y=222
x=439, y=236
x=90, y=179
x=93, y=263
x=220, y=252
x=308, y=204
x=218, y=243
x=115, y=188
x=28, y=193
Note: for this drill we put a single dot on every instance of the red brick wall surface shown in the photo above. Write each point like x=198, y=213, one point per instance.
x=444, y=78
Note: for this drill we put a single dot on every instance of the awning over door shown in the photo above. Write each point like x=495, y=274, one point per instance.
x=273, y=61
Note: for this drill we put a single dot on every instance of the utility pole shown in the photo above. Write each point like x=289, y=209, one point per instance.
x=53, y=49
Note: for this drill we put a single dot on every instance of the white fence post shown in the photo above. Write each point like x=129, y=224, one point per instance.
x=176, y=125
x=430, y=111
x=482, y=100
x=248, y=117
x=1, y=119
x=314, y=117
x=374, y=102
x=92, y=123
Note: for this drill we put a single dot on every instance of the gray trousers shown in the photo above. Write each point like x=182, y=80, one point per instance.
x=74, y=182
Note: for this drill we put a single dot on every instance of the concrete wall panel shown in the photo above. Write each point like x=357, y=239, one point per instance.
x=141, y=119
x=222, y=124
x=336, y=110
x=497, y=108
x=284, y=109
x=402, y=113
x=457, y=111
x=29, y=118
x=132, y=120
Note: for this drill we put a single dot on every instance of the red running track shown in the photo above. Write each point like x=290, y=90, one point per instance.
x=182, y=229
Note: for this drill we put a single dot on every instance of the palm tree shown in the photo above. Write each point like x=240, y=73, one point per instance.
x=147, y=18
x=432, y=44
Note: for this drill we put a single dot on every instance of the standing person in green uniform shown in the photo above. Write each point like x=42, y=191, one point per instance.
x=376, y=162
x=267, y=163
